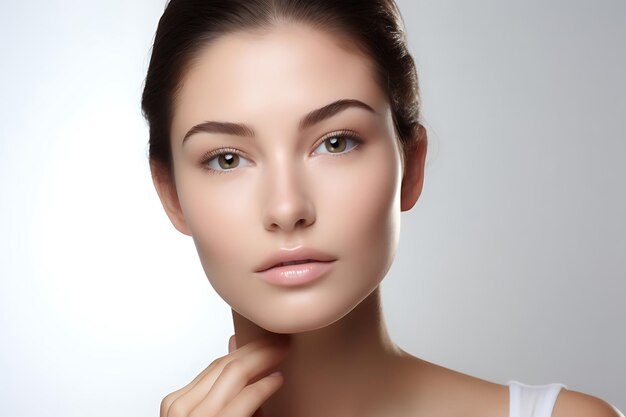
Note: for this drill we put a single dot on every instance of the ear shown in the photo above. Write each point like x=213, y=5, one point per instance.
x=413, y=179
x=166, y=189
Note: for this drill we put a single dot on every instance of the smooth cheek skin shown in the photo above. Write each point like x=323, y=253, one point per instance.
x=353, y=199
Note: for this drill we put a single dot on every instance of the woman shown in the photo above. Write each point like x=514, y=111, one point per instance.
x=285, y=140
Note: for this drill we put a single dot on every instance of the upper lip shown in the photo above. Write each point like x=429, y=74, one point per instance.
x=296, y=254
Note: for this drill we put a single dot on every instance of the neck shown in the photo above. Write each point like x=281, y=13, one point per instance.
x=327, y=368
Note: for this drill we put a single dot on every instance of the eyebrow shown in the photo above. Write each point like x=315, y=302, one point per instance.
x=312, y=118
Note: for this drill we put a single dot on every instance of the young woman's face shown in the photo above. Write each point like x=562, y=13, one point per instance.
x=329, y=183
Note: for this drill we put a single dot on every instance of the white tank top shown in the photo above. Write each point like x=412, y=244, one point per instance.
x=532, y=400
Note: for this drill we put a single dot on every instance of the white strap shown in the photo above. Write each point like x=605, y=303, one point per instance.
x=532, y=400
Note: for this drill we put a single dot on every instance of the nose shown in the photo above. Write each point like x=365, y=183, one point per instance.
x=288, y=205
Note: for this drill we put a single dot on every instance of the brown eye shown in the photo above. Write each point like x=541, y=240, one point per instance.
x=228, y=160
x=335, y=144
x=338, y=143
x=223, y=160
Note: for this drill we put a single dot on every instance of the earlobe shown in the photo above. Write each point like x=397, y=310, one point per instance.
x=166, y=189
x=413, y=179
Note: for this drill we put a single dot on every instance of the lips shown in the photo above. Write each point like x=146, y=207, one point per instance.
x=294, y=262
x=299, y=255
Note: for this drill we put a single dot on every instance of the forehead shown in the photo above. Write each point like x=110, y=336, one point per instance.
x=286, y=71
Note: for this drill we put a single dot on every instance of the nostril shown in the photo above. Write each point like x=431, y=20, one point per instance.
x=289, y=216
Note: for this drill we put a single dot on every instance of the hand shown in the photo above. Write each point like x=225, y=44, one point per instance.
x=230, y=386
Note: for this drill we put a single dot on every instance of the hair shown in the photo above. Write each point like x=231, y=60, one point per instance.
x=188, y=26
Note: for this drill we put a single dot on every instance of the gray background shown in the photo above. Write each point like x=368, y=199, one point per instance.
x=511, y=266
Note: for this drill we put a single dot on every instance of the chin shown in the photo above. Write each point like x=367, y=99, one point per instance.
x=291, y=325
x=303, y=312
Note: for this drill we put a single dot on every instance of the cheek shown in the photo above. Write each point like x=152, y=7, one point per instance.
x=218, y=215
x=364, y=212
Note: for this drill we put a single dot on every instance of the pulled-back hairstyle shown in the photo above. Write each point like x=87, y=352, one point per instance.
x=187, y=26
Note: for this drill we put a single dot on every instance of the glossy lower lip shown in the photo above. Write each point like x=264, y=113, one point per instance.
x=293, y=275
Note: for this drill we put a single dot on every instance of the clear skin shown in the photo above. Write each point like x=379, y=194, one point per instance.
x=288, y=188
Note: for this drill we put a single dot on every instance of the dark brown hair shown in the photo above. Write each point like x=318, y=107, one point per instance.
x=187, y=26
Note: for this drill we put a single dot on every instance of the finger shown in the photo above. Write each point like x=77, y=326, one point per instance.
x=252, y=397
x=235, y=376
x=219, y=363
x=232, y=344
x=248, y=348
x=188, y=397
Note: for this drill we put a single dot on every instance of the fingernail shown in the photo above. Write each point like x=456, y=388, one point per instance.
x=277, y=373
x=232, y=344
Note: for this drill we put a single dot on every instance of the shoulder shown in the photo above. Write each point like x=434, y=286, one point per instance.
x=576, y=404
x=442, y=392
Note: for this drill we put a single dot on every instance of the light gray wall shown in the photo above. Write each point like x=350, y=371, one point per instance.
x=511, y=265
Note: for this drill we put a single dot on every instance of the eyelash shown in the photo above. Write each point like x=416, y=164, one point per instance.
x=350, y=134
x=214, y=153
x=217, y=152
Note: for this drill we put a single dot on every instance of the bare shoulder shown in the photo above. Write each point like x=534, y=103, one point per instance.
x=443, y=392
x=577, y=404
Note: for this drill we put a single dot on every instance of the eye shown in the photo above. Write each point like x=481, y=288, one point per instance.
x=338, y=143
x=222, y=160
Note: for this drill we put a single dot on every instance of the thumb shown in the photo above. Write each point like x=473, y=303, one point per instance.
x=232, y=344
